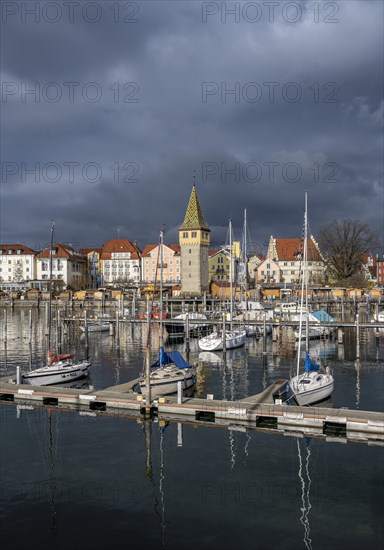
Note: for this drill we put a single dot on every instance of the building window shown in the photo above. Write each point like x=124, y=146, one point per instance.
x=189, y=251
x=194, y=234
x=185, y=235
x=189, y=262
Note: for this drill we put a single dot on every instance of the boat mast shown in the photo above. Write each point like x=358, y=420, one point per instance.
x=50, y=286
x=245, y=267
x=306, y=275
x=303, y=283
x=230, y=270
x=161, y=294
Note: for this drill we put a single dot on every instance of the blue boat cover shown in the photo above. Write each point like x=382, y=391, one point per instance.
x=166, y=357
x=309, y=366
x=323, y=316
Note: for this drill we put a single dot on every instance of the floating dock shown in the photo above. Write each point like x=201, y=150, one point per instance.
x=262, y=411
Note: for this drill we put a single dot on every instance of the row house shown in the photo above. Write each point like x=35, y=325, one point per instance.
x=268, y=272
x=219, y=262
x=287, y=254
x=68, y=265
x=380, y=272
x=120, y=262
x=94, y=269
x=17, y=263
x=369, y=267
x=150, y=263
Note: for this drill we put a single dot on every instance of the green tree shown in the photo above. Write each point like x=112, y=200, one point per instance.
x=343, y=243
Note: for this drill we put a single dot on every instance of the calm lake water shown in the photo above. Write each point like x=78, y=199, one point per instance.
x=78, y=480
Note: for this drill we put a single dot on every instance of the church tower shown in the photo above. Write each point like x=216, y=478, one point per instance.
x=194, y=239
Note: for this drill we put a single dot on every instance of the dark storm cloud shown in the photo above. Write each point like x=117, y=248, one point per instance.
x=151, y=103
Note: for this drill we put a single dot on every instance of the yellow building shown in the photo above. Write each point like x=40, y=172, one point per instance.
x=219, y=263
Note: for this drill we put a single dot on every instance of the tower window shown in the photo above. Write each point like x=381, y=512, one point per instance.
x=189, y=262
x=185, y=235
x=194, y=234
x=190, y=251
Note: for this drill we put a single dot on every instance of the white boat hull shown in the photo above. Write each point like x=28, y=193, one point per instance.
x=164, y=380
x=311, y=388
x=62, y=371
x=214, y=342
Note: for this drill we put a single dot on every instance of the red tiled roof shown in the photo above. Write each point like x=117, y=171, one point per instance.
x=15, y=247
x=213, y=251
x=149, y=247
x=62, y=251
x=287, y=250
x=120, y=245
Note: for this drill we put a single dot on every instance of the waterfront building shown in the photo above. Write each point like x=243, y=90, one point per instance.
x=120, y=262
x=68, y=265
x=194, y=240
x=380, y=272
x=268, y=272
x=94, y=272
x=150, y=264
x=219, y=261
x=17, y=263
x=287, y=253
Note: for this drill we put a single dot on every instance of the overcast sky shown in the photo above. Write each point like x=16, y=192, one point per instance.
x=130, y=98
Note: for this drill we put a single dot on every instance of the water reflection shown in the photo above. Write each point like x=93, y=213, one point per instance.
x=305, y=482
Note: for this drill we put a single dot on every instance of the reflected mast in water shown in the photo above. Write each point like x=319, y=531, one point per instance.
x=305, y=481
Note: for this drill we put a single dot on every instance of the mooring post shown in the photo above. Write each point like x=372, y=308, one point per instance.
x=117, y=334
x=179, y=392
x=224, y=335
x=264, y=334
x=5, y=338
x=340, y=335
x=18, y=378
x=187, y=332
x=86, y=333
x=58, y=329
x=30, y=339
x=134, y=304
x=357, y=336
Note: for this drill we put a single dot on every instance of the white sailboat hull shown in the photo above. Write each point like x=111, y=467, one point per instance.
x=214, y=342
x=164, y=380
x=309, y=388
x=61, y=371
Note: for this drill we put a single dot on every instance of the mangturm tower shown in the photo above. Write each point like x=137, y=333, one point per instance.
x=194, y=239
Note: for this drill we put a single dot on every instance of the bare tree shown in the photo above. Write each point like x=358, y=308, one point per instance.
x=343, y=244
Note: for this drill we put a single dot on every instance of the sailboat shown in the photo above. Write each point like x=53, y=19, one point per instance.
x=234, y=338
x=312, y=385
x=60, y=367
x=170, y=367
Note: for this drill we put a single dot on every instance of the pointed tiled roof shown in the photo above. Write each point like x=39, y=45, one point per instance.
x=194, y=218
x=288, y=249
